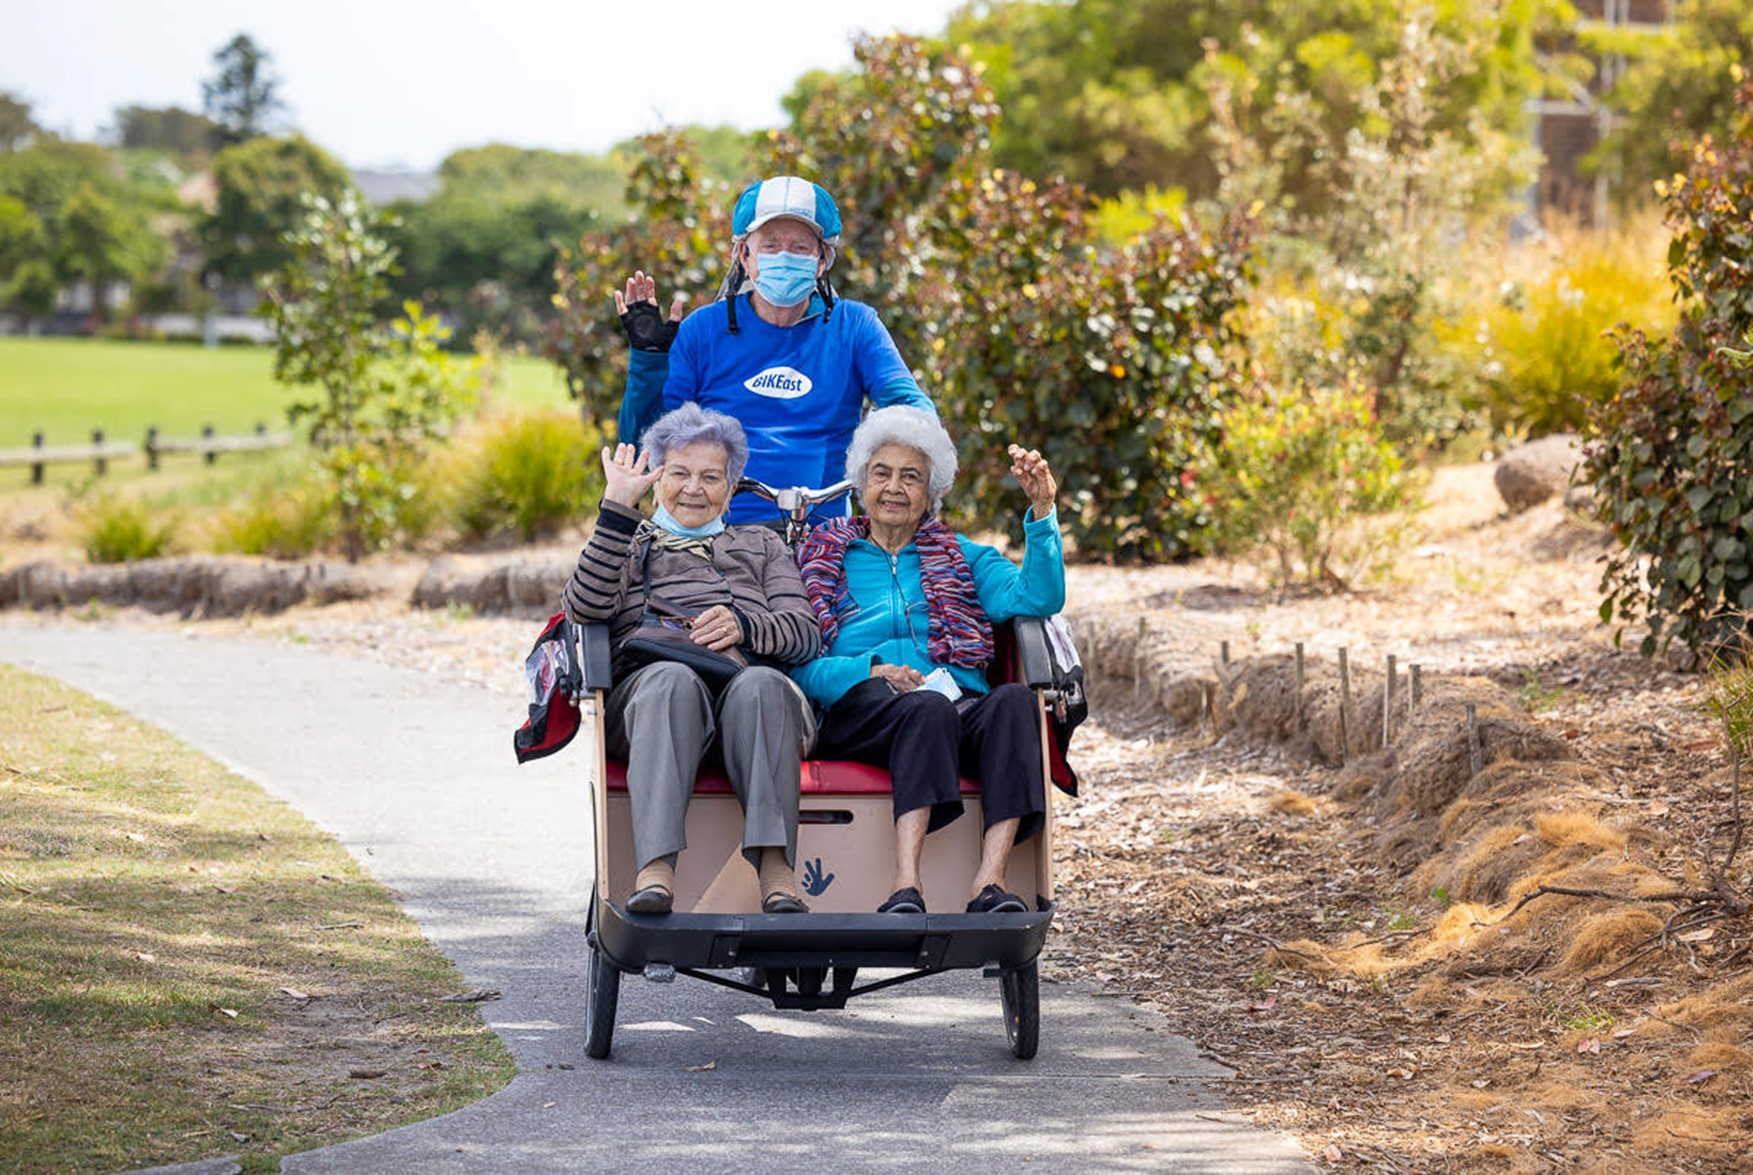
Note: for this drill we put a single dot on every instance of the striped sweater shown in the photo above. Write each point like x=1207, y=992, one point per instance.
x=757, y=578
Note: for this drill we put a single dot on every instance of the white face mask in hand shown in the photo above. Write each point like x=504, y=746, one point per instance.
x=940, y=681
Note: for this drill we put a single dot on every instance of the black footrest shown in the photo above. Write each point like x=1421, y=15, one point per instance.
x=720, y=941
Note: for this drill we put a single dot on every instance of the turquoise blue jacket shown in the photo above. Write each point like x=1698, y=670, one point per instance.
x=890, y=624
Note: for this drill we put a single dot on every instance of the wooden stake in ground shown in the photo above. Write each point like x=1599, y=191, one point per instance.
x=1475, y=751
x=1417, y=695
x=1138, y=664
x=1299, y=679
x=1388, y=703
x=1344, y=705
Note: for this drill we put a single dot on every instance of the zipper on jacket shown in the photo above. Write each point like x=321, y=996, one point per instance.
x=903, y=610
x=900, y=607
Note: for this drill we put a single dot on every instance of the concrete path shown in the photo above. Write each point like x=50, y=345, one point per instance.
x=419, y=783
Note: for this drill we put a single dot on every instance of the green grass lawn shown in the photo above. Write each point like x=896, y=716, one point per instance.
x=190, y=968
x=67, y=387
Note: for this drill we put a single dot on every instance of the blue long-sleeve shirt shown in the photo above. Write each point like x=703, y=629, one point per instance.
x=891, y=625
x=798, y=391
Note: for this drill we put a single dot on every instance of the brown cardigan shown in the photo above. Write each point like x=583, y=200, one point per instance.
x=756, y=577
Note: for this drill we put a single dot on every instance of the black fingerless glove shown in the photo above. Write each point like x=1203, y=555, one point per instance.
x=647, y=329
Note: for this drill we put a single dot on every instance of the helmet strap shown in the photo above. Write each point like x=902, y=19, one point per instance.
x=734, y=283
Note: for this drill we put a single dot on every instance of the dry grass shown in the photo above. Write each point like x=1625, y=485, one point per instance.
x=1718, y=1133
x=1568, y=827
x=1291, y=803
x=1607, y=937
x=1364, y=971
x=1727, y=1006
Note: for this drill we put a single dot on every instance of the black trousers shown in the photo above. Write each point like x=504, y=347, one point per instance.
x=927, y=742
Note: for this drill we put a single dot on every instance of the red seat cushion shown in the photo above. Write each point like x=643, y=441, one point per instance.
x=821, y=777
x=838, y=777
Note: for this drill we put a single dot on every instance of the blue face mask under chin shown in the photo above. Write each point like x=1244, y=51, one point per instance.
x=671, y=523
x=786, y=279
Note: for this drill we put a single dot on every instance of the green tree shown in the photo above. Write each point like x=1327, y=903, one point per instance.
x=1375, y=244
x=726, y=153
x=485, y=245
x=1116, y=363
x=242, y=95
x=102, y=241
x=77, y=217
x=260, y=185
x=514, y=175
x=679, y=228
x=27, y=273
x=45, y=174
x=188, y=136
x=908, y=123
x=489, y=264
x=17, y=127
x=1111, y=92
x=378, y=392
x=1679, y=84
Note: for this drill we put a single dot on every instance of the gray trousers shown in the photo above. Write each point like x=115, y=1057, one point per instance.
x=663, y=721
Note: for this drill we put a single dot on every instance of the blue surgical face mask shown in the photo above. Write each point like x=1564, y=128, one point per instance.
x=786, y=279
x=668, y=521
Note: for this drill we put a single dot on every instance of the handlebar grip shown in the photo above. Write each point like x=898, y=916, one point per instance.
x=748, y=485
x=800, y=494
x=816, y=497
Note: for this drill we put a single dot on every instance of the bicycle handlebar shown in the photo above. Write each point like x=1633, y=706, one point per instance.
x=792, y=497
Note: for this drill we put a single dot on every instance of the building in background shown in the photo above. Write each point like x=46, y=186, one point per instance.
x=1567, y=128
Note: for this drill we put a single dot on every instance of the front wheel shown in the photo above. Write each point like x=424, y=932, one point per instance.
x=602, y=995
x=1019, y=990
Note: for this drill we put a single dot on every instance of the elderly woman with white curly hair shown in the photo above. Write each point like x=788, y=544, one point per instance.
x=906, y=609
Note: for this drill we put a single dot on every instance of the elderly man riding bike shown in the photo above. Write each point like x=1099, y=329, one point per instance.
x=778, y=350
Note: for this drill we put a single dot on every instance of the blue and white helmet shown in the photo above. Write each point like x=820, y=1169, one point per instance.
x=786, y=195
x=770, y=199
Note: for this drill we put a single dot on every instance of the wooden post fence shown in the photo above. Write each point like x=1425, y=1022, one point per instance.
x=101, y=451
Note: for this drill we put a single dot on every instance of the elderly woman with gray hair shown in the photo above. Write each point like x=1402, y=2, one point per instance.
x=906, y=610
x=735, y=588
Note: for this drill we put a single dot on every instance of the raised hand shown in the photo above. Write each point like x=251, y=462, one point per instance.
x=625, y=476
x=646, y=328
x=1032, y=473
x=717, y=628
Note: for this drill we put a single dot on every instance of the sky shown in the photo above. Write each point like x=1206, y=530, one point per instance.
x=400, y=85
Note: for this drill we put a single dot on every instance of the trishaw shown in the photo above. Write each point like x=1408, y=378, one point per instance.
x=846, y=847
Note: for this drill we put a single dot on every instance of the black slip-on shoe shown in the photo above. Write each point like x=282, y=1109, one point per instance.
x=653, y=899
x=995, y=900
x=904, y=901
